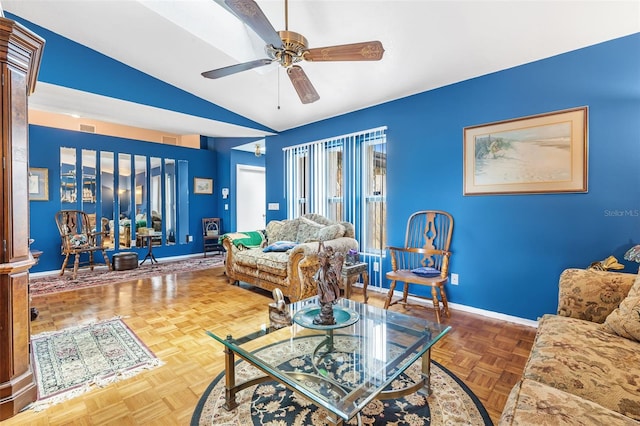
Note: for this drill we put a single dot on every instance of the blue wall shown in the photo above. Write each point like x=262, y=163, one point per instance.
x=509, y=249
x=228, y=159
x=73, y=65
x=44, y=151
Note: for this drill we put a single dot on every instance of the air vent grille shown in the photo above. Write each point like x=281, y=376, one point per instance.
x=88, y=128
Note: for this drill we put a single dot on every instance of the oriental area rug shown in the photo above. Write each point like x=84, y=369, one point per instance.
x=72, y=361
x=270, y=403
x=101, y=276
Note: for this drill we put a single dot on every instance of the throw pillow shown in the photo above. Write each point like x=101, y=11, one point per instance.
x=426, y=271
x=625, y=320
x=307, y=230
x=274, y=230
x=282, y=230
x=280, y=246
x=79, y=240
x=330, y=232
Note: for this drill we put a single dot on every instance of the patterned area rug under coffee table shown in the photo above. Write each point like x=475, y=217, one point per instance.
x=87, y=278
x=70, y=361
x=270, y=403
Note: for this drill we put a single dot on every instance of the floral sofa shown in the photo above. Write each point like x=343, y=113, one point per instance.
x=584, y=367
x=281, y=256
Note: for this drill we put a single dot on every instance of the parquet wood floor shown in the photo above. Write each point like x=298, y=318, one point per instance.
x=170, y=315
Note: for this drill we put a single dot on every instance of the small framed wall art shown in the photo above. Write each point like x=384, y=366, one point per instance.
x=202, y=186
x=38, y=184
x=544, y=153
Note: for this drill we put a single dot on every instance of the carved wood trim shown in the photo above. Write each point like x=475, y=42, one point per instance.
x=21, y=49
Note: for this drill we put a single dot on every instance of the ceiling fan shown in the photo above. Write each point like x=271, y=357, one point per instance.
x=288, y=47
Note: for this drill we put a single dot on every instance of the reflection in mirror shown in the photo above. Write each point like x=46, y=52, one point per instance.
x=155, y=192
x=124, y=200
x=140, y=195
x=170, y=199
x=107, y=198
x=183, y=201
x=68, y=182
x=88, y=166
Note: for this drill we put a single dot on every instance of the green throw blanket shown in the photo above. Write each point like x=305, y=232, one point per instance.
x=243, y=240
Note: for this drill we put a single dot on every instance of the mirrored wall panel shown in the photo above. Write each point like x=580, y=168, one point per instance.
x=68, y=181
x=107, y=201
x=155, y=192
x=88, y=200
x=170, y=199
x=124, y=200
x=183, y=201
x=127, y=196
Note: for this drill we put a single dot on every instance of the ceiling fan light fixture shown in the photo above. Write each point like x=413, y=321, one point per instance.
x=288, y=48
x=258, y=151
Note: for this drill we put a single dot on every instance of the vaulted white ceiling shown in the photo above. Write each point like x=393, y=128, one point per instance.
x=428, y=44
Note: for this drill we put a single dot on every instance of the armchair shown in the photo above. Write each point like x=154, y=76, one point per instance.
x=424, y=259
x=78, y=237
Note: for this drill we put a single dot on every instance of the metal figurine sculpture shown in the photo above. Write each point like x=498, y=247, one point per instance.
x=279, y=315
x=328, y=283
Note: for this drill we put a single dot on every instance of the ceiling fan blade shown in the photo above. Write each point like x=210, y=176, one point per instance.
x=232, y=69
x=250, y=13
x=365, y=51
x=303, y=86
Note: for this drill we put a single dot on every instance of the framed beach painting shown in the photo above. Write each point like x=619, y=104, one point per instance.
x=202, y=186
x=38, y=184
x=543, y=153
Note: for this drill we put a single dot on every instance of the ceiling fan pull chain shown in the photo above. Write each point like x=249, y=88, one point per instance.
x=278, y=87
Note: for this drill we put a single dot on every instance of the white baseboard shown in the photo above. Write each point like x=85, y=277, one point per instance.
x=494, y=315
x=465, y=308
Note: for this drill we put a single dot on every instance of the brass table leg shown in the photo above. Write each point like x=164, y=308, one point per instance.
x=423, y=383
x=426, y=370
x=230, y=380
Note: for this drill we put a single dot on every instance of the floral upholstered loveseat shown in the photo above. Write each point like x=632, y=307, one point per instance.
x=584, y=367
x=286, y=262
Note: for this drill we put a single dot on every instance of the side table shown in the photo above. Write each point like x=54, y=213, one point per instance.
x=350, y=274
x=149, y=241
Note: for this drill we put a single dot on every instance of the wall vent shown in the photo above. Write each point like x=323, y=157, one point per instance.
x=88, y=128
x=170, y=140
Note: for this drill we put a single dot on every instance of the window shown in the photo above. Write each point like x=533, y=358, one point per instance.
x=342, y=178
x=374, y=178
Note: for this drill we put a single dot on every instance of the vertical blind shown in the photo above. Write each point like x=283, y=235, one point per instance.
x=336, y=177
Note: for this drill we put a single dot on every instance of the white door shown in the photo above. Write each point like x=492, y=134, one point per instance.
x=251, y=198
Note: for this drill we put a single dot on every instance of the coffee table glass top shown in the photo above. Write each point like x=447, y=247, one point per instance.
x=348, y=366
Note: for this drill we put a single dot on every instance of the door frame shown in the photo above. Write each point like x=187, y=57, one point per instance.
x=239, y=169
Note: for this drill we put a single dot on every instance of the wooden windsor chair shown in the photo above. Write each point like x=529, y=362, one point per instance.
x=424, y=260
x=78, y=237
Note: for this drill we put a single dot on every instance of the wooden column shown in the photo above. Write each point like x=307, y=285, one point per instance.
x=20, y=53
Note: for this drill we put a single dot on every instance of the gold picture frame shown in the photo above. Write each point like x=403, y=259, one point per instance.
x=545, y=153
x=202, y=186
x=38, y=184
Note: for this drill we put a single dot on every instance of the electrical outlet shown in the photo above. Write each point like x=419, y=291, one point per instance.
x=454, y=279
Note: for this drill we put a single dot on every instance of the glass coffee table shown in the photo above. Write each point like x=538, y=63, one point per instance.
x=351, y=363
